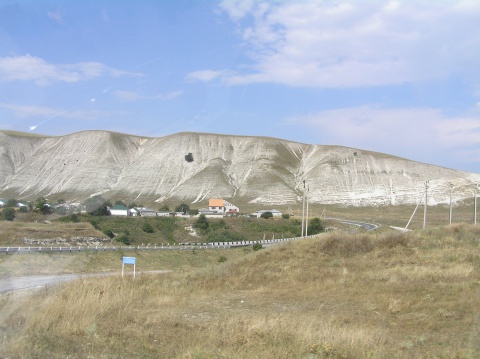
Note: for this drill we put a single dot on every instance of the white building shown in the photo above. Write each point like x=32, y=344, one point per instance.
x=274, y=212
x=119, y=210
x=218, y=205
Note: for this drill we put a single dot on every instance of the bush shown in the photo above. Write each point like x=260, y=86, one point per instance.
x=285, y=216
x=109, y=233
x=23, y=209
x=315, y=226
x=266, y=215
x=147, y=228
x=8, y=214
x=222, y=259
x=257, y=246
x=123, y=238
x=201, y=223
x=225, y=236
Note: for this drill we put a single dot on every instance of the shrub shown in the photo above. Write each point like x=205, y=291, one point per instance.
x=285, y=216
x=257, y=246
x=225, y=236
x=201, y=223
x=23, y=209
x=222, y=259
x=147, y=228
x=123, y=238
x=109, y=233
x=8, y=214
x=266, y=215
x=315, y=226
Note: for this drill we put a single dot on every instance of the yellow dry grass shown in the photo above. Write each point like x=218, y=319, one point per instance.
x=380, y=295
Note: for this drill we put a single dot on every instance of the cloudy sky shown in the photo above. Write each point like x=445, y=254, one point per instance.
x=398, y=77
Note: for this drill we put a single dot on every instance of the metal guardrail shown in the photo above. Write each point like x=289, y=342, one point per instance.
x=213, y=245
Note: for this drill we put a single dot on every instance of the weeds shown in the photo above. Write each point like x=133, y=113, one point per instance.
x=336, y=296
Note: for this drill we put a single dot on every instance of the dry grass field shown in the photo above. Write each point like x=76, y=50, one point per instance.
x=13, y=233
x=376, y=295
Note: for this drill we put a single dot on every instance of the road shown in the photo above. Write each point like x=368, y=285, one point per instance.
x=38, y=281
x=366, y=226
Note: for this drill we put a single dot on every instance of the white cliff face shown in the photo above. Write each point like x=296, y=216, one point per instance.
x=255, y=169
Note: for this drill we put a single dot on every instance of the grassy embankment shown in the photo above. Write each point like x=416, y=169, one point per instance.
x=378, y=295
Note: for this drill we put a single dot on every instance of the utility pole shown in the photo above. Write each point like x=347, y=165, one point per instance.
x=425, y=208
x=475, y=206
x=303, y=209
x=306, y=217
x=451, y=186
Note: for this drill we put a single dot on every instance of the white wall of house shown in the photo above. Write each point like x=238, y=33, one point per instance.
x=119, y=212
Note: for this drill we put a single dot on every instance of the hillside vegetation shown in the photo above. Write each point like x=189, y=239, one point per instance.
x=377, y=295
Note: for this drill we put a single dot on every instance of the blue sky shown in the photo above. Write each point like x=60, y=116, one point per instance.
x=398, y=77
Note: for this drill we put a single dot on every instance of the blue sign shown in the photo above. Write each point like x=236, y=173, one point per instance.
x=128, y=260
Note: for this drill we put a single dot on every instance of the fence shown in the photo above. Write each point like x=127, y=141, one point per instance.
x=180, y=246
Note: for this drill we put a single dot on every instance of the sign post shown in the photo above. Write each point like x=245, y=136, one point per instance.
x=129, y=260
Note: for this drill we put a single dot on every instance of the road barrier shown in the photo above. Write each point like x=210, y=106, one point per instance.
x=179, y=246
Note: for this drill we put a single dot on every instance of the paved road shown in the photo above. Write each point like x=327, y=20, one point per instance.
x=37, y=281
x=366, y=226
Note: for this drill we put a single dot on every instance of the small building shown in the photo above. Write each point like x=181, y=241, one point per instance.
x=218, y=205
x=146, y=212
x=163, y=214
x=210, y=214
x=274, y=212
x=119, y=210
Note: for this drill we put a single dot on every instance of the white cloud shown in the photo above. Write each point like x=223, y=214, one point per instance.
x=56, y=16
x=132, y=96
x=350, y=43
x=47, y=113
x=129, y=96
x=206, y=75
x=30, y=68
x=403, y=132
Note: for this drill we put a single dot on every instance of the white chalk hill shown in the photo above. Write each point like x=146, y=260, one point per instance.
x=249, y=169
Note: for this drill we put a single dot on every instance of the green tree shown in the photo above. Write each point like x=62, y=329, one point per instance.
x=97, y=206
x=119, y=203
x=266, y=215
x=164, y=208
x=11, y=203
x=42, y=206
x=182, y=208
x=193, y=212
x=24, y=209
x=201, y=223
x=285, y=216
x=315, y=226
x=8, y=214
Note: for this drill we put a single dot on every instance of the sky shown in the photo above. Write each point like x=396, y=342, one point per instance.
x=397, y=77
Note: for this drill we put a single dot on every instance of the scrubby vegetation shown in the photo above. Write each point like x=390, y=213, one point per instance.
x=378, y=295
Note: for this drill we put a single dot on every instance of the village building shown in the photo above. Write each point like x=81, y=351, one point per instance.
x=119, y=210
x=218, y=205
x=146, y=212
x=274, y=212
